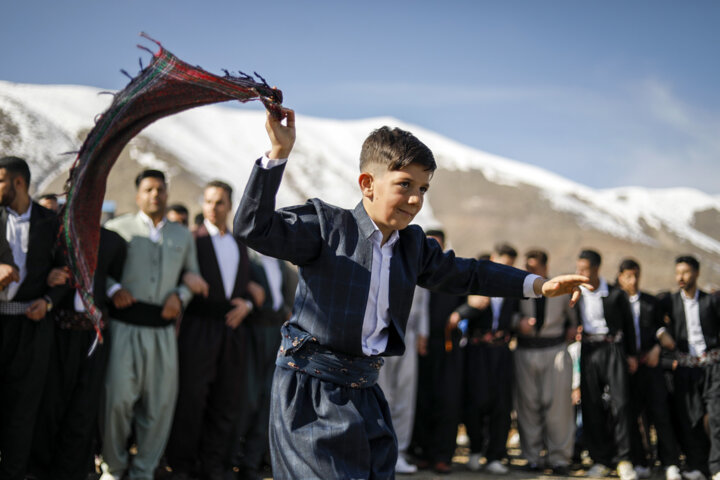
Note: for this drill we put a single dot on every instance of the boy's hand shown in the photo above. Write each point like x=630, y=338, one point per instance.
x=282, y=137
x=562, y=285
x=196, y=284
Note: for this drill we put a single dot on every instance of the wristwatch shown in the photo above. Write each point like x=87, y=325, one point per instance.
x=49, y=302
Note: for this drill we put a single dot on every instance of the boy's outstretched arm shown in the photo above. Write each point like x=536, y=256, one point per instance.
x=282, y=137
x=562, y=285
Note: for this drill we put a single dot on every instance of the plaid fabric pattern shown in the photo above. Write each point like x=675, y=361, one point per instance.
x=14, y=308
x=165, y=87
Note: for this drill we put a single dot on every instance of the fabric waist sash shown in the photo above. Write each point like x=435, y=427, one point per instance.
x=539, y=342
x=14, y=308
x=142, y=314
x=301, y=352
x=708, y=358
x=602, y=338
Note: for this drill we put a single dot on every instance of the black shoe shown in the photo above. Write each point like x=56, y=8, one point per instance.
x=561, y=470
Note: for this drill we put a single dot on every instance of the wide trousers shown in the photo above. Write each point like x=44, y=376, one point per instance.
x=605, y=401
x=321, y=430
x=398, y=380
x=66, y=427
x=489, y=370
x=545, y=413
x=213, y=372
x=648, y=394
x=140, y=391
x=24, y=359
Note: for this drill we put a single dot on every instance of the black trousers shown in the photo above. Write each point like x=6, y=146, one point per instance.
x=66, y=426
x=648, y=395
x=489, y=374
x=212, y=371
x=439, y=401
x=24, y=359
x=605, y=402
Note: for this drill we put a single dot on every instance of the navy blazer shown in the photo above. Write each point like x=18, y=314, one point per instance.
x=332, y=248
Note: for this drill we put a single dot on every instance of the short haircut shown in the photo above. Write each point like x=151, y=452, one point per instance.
x=149, y=174
x=48, y=196
x=435, y=232
x=629, y=264
x=199, y=219
x=395, y=149
x=16, y=166
x=220, y=184
x=483, y=256
x=504, y=248
x=690, y=260
x=179, y=208
x=537, y=254
x=591, y=256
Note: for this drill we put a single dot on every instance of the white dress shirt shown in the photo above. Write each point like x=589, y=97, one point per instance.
x=227, y=254
x=635, y=307
x=155, y=230
x=496, y=304
x=18, y=237
x=696, y=340
x=592, y=311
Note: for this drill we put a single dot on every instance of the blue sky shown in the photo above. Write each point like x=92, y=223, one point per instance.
x=607, y=93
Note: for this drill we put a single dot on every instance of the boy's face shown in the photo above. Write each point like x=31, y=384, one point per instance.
x=392, y=198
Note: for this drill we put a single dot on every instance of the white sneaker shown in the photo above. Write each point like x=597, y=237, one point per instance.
x=693, y=475
x=626, y=471
x=497, y=468
x=474, y=462
x=598, y=471
x=716, y=476
x=642, y=472
x=402, y=466
x=672, y=473
x=106, y=475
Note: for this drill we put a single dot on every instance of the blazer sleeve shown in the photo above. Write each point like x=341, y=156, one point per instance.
x=291, y=234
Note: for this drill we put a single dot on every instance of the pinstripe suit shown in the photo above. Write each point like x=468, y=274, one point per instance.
x=349, y=434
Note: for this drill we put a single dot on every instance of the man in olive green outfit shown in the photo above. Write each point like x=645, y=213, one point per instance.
x=142, y=377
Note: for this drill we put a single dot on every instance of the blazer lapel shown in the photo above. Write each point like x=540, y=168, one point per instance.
x=679, y=316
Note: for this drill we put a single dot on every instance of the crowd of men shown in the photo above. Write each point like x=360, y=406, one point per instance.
x=180, y=384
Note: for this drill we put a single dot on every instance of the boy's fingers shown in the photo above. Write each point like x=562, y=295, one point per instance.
x=290, y=115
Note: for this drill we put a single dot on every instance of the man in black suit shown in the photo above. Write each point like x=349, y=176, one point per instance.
x=694, y=335
x=26, y=332
x=606, y=317
x=648, y=393
x=66, y=426
x=211, y=347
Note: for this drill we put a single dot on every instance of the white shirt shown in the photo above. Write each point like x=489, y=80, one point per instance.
x=592, y=311
x=18, y=237
x=155, y=230
x=635, y=307
x=419, y=318
x=273, y=273
x=696, y=340
x=496, y=304
x=227, y=254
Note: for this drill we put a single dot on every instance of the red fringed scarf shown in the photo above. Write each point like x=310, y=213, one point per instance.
x=165, y=87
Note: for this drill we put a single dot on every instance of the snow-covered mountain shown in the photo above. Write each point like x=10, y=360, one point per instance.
x=42, y=122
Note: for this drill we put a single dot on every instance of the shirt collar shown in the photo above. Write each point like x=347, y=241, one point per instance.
x=376, y=236
x=212, y=229
x=634, y=298
x=25, y=217
x=149, y=222
x=602, y=290
x=688, y=299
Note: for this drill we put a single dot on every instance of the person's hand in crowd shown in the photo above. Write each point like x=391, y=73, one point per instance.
x=422, y=342
x=37, y=310
x=196, y=284
x=575, y=395
x=562, y=285
x=667, y=341
x=172, y=307
x=478, y=301
x=653, y=357
x=240, y=310
x=8, y=274
x=632, y=364
x=58, y=276
x=526, y=325
x=256, y=292
x=282, y=137
x=453, y=320
x=122, y=299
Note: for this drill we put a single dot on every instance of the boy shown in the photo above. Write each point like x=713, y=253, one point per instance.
x=358, y=270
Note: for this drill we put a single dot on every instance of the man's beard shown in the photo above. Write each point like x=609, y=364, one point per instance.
x=8, y=197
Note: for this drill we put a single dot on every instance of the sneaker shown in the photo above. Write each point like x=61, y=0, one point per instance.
x=598, y=471
x=626, y=471
x=642, y=472
x=693, y=475
x=561, y=470
x=497, y=468
x=442, y=468
x=402, y=466
x=474, y=462
x=672, y=473
x=716, y=476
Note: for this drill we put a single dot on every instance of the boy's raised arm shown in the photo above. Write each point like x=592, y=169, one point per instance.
x=282, y=137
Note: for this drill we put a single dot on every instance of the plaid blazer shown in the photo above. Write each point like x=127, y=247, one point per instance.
x=331, y=247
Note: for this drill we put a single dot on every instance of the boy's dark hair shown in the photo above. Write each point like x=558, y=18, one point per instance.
x=537, y=254
x=503, y=248
x=220, y=184
x=629, y=264
x=435, y=232
x=690, y=260
x=199, y=219
x=149, y=174
x=179, y=208
x=395, y=149
x=16, y=166
x=591, y=256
